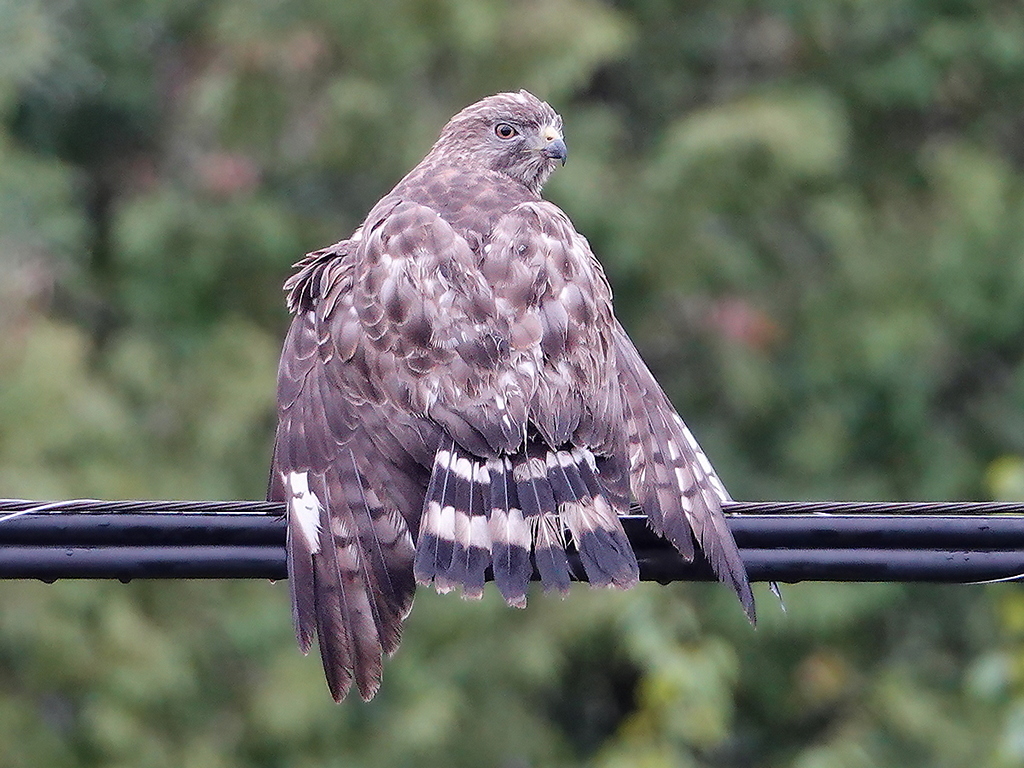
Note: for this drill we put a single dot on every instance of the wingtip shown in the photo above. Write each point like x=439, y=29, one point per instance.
x=368, y=688
x=746, y=596
x=338, y=684
x=340, y=680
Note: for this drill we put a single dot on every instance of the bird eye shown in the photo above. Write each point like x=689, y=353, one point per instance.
x=505, y=131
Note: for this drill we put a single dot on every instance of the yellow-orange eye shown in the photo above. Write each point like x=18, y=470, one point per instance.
x=505, y=131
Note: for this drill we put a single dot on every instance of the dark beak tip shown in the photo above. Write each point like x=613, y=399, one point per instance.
x=557, y=150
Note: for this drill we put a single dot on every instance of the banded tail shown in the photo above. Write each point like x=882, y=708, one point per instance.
x=517, y=513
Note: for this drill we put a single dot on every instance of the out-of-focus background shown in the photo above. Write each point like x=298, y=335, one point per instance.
x=812, y=212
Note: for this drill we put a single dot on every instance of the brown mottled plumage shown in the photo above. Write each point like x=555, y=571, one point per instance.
x=455, y=393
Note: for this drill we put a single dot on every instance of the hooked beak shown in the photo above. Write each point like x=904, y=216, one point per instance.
x=556, y=150
x=552, y=145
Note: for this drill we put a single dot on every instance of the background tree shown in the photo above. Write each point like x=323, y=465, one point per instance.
x=813, y=216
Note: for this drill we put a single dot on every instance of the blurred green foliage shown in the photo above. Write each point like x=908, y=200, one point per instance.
x=813, y=215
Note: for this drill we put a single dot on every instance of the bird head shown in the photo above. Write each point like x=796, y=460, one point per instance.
x=516, y=134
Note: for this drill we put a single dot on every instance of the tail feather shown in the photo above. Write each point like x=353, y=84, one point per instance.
x=454, y=546
x=549, y=554
x=532, y=484
x=604, y=549
x=561, y=496
x=510, y=534
x=472, y=538
x=435, y=546
x=539, y=490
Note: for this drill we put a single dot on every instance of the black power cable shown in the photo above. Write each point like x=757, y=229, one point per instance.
x=953, y=542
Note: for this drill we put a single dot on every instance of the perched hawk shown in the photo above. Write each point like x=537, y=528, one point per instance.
x=455, y=394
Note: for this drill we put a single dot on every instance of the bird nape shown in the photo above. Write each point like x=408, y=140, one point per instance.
x=455, y=393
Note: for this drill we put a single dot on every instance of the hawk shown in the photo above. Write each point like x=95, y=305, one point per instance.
x=456, y=395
